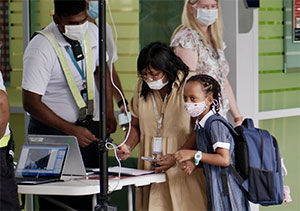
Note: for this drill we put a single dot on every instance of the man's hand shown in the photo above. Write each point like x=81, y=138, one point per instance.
x=184, y=155
x=111, y=124
x=167, y=161
x=84, y=136
x=123, y=152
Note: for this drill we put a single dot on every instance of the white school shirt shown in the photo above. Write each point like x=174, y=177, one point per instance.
x=2, y=87
x=43, y=75
x=111, y=49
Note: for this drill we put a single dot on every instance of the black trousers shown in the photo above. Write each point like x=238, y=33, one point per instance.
x=8, y=188
x=90, y=157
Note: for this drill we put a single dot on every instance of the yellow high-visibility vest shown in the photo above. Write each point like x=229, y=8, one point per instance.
x=4, y=140
x=84, y=109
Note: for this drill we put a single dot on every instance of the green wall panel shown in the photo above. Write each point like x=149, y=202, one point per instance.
x=279, y=100
x=129, y=62
x=271, y=62
x=287, y=133
x=270, y=45
x=129, y=81
x=274, y=15
x=270, y=3
x=279, y=81
x=15, y=78
x=16, y=122
x=40, y=14
x=276, y=89
x=127, y=47
x=270, y=30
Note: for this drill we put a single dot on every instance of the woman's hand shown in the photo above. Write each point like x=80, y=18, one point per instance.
x=184, y=155
x=188, y=166
x=166, y=162
x=238, y=120
x=123, y=152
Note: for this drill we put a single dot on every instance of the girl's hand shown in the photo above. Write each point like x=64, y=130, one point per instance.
x=184, y=155
x=188, y=167
x=166, y=162
x=123, y=152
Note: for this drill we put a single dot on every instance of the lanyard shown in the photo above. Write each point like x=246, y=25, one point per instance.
x=159, y=118
x=84, y=109
x=80, y=70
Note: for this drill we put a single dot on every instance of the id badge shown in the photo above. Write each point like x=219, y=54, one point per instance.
x=84, y=95
x=157, y=145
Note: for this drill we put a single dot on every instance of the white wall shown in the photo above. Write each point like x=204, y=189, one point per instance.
x=241, y=38
x=242, y=54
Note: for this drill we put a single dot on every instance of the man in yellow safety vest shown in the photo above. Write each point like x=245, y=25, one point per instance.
x=8, y=188
x=60, y=68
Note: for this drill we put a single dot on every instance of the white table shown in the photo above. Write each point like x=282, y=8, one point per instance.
x=81, y=187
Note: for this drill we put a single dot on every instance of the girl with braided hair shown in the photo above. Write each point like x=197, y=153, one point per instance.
x=215, y=145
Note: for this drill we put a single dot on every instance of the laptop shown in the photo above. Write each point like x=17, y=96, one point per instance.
x=74, y=165
x=40, y=164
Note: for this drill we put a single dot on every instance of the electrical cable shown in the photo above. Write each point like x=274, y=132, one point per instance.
x=114, y=147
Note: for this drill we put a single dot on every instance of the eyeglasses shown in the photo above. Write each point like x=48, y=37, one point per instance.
x=152, y=77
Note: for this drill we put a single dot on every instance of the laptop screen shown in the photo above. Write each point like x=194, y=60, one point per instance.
x=74, y=163
x=41, y=160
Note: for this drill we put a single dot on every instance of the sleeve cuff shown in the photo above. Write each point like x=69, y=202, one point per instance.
x=221, y=145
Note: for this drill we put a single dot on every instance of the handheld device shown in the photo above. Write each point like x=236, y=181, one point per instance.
x=151, y=160
x=124, y=119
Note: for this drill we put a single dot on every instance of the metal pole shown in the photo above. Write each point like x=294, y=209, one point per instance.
x=103, y=137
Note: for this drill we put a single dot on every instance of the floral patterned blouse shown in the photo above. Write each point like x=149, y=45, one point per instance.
x=209, y=62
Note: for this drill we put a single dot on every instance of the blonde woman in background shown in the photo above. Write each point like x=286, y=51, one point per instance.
x=198, y=42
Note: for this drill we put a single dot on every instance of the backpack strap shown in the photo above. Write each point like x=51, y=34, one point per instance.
x=218, y=117
x=279, y=161
x=234, y=133
x=237, y=176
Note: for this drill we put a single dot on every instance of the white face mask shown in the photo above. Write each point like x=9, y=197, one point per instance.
x=207, y=17
x=195, y=109
x=76, y=32
x=157, y=85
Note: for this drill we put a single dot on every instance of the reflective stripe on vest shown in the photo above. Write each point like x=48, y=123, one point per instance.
x=4, y=141
x=69, y=76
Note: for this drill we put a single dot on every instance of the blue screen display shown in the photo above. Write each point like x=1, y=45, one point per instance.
x=41, y=160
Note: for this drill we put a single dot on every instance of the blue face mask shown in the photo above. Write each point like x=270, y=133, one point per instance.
x=93, y=9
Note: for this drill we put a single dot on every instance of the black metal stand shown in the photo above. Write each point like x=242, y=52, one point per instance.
x=103, y=138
